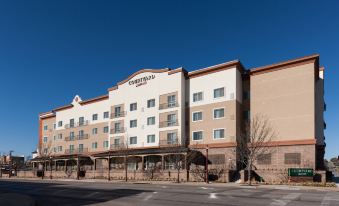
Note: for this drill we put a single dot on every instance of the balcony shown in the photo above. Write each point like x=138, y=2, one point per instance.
x=118, y=146
x=168, y=105
x=118, y=130
x=76, y=151
x=78, y=137
x=78, y=124
x=118, y=115
x=169, y=143
x=168, y=123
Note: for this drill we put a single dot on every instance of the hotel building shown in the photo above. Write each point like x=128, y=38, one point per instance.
x=156, y=112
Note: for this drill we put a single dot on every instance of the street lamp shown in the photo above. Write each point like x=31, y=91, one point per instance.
x=206, y=165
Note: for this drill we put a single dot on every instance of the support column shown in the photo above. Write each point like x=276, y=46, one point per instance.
x=162, y=162
x=142, y=163
x=109, y=167
x=65, y=165
x=95, y=167
x=78, y=168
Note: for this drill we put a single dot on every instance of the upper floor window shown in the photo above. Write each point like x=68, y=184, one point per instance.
x=105, y=144
x=220, y=92
x=71, y=123
x=150, y=103
x=246, y=95
x=150, y=120
x=117, y=111
x=54, y=126
x=133, y=107
x=105, y=129
x=45, y=139
x=171, y=119
x=106, y=115
x=218, y=133
x=71, y=135
x=95, y=117
x=59, y=148
x=81, y=121
x=133, y=140
x=95, y=131
x=133, y=123
x=81, y=133
x=59, y=136
x=94, y=145
x=171, y=100
x=197, y=116
x=172, y=138
x=60, y=124
x=218, y=113
x=151, y=138
x=197, y=135
x=197, y=97
x=45, y=127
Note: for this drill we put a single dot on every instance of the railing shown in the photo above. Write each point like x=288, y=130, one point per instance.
x=118, y=146
x=78, y=137
x=78, y=124
x=116, y=131
x=168, y=123
x=169, y=143
x=117, y=115
x=168, y=105
x=76, y=151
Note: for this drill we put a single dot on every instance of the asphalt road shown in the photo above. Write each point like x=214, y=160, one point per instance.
x=51, y=193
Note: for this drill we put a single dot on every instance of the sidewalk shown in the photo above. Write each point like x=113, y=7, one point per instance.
x=201, y=184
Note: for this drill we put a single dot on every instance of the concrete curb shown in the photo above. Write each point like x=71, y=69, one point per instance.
x=13, y=199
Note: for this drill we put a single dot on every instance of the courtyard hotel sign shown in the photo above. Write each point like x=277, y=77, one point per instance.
x=141, y=81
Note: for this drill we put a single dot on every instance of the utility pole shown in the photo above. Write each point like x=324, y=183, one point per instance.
x=206, y=165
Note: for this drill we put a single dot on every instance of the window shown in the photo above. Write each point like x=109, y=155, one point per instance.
x=117, y=111
x=71, y=147
x=117, y=127
x=81, y=121
x=71, y=136
x=55, y=149
x=60, y=124
x=45, y=127
x=133, y=140
x=59, y=136
x=105, y=130
x=105, y=144
x=151, y=121
x=150, y=103
x=197, y=135
x=133, y=123
x=246, y=95
x=94, y=145
x=54, y=126
x=219, y=133
x=171, y=119
x=95, y=117
x=133, y=107
x=246, y=115
x=218, y=113
x=71, y=123
x=264, y=159
x=45, y=151
x=197, y=97
x=220, y=92
x=106, y=115
x=81, y=147
x=45, y=139
x=59, y=148
x=197, y=116
x=292, y=158
x=171, y=101
x=95, y=131
x=117, y=142
x=171, y=138
x=151, y=138
x=54, y=137
x=81, y=134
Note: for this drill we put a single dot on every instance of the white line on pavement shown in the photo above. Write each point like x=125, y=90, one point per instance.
x=285, y=199
x=213, y=196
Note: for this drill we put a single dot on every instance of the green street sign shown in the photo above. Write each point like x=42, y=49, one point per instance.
x=300, y=172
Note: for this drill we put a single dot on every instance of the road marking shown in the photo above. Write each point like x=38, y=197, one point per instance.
x=327, y=200
x=206, y=188
x=148, y=197
x=92, y=194
x=213, y=196
x=285, y=199
x=164, y=186
x=286, y=188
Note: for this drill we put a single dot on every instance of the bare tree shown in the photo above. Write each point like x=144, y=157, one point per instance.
x=45, y=151
x=255, y=141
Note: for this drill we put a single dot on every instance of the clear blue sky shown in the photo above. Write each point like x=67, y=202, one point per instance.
x=52, y=50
